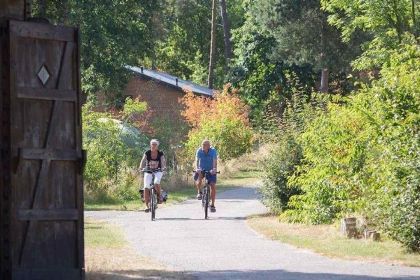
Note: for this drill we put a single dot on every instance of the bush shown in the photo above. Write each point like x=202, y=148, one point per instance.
x=364, y=157
x=361, y=156
x=278, y=166
x=112, y=148
x=286, y=153
x=223, y=120
x=331, y=175
x=396, y=176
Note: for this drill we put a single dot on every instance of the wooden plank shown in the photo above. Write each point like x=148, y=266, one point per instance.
x=48, y=215
x=46, y=94
x=6, y=229
x=50, y=154
x=47, y=199
x=79, y=177
x=42, y=31
x=43, y=174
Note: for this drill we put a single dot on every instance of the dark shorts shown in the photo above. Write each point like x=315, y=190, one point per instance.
x=212, y=178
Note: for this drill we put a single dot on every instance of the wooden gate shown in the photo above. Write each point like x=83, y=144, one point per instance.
x=41, y=187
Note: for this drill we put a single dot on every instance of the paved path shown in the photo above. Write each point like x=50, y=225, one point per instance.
x=224, y=247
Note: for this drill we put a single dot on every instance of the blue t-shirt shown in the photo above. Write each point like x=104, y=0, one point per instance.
x=205, y=160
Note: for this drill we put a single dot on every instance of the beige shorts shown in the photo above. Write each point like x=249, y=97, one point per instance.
x=148, y=179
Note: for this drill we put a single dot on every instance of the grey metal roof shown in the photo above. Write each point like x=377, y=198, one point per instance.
x=172, y=80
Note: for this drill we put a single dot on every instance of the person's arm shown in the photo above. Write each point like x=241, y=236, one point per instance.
x=143, y=162
x=215, y=162
x=163, y=163
x=196, y=164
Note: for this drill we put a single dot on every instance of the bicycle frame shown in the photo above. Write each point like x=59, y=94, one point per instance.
x=205, y=200
x=153, y=194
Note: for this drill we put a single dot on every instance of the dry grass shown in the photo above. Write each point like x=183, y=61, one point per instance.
x=326, y=240
x=123, y=263
x=250, y=162
x=109, y=257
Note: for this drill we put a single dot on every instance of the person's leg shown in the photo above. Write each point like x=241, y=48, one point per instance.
x=147, y=183
x=212, y=181
x=198, y=178
x=158, y=178
x=157, y=188
x=213, y=193
x=147, y=197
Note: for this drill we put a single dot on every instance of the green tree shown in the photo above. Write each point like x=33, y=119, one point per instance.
x=113, y=34
x=387, y=21
x=265, y=82
x=304, y=36
x=183, y=45
x=376, y=16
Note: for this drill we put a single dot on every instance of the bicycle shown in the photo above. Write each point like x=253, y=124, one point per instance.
x=153, y=193
x=205, y=198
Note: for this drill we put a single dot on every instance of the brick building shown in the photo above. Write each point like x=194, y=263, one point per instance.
x=161, y=91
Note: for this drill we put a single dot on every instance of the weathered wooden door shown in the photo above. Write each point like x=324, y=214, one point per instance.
x=45, y=231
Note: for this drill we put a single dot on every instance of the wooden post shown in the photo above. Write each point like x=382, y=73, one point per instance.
x=324, y=80
x=348, y=227
x=12, y=9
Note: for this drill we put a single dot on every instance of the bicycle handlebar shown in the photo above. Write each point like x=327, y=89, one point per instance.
x=205, y=171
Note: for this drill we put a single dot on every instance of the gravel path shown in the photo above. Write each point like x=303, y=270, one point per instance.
x=224, y=247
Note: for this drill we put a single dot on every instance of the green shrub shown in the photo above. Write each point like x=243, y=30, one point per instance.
x=360, y=156
x=230, y=137
x=364, y=156
x=223, y=120
x=127, y=188
x=286, y=156
x=331, y=175
x=278, y=166
x=396, y=170
x=112, y=148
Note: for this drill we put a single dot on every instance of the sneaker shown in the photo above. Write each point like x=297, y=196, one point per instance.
x=147, y=210
x=212, y=209
x=199, y=196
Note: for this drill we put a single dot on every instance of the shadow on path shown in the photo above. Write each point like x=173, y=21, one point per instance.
x=245, y=193
x=232, y=274
x=201, y=219
x=137, y=274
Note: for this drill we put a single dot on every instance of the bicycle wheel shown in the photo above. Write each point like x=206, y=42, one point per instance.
x=153, y=204
x=206, y=203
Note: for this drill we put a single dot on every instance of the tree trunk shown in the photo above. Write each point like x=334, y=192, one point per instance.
x=413, y=15
x=43, y=8
x=65, y=11
x=28, y=9
x=226, y=31
x=323, y=63
x=212, y=45
x=324, y=80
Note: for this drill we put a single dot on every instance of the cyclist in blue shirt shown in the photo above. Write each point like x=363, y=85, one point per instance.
x=206, y=160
